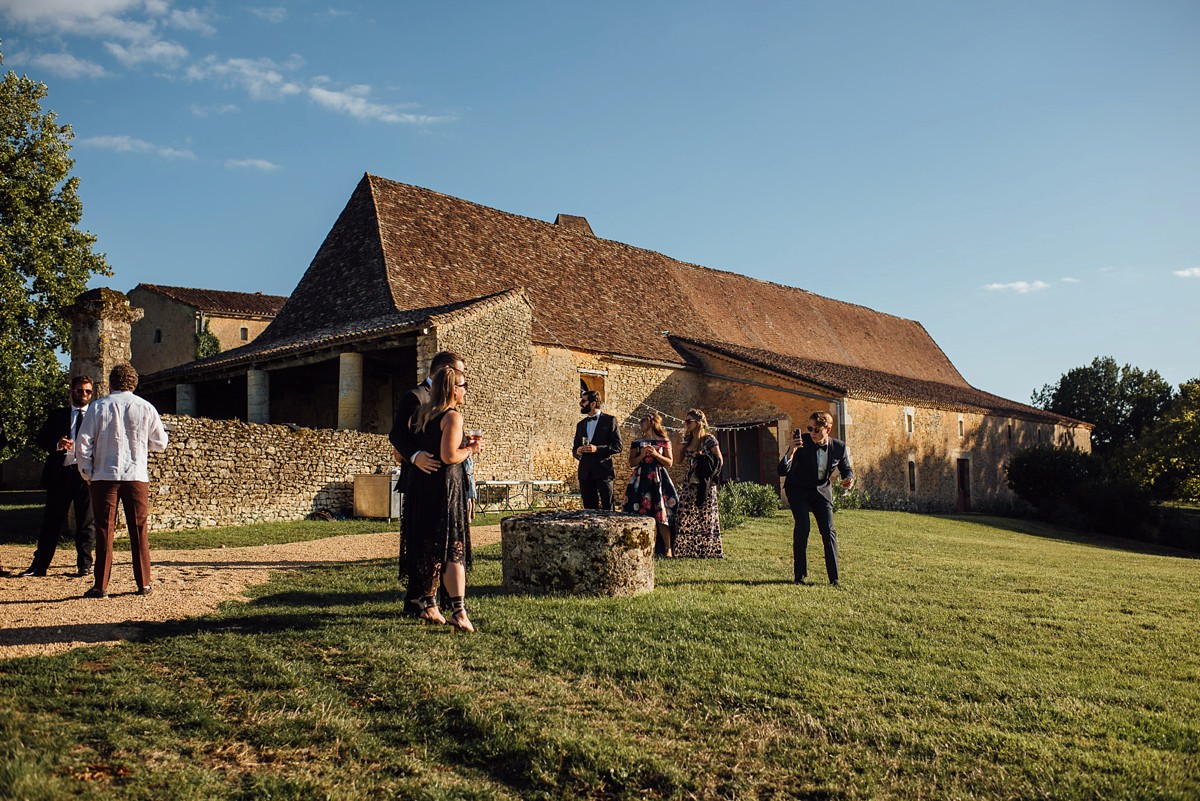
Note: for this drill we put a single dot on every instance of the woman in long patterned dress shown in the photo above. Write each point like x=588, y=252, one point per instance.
x=698, y=524
x=438, y=502
x=651, y=491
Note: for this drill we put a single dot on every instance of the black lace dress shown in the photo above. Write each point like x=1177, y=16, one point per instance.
x=437, y=528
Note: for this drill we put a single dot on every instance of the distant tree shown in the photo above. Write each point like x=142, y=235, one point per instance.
x=1122, y=402
x=1168, y=456
x=45, y=260
x=207, y=343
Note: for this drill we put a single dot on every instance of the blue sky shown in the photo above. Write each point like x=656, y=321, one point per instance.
x=1020, y=177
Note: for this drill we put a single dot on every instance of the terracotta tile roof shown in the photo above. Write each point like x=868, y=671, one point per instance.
x=338, y=332
x=397, y=246
x=219, y=301
x=872, y=385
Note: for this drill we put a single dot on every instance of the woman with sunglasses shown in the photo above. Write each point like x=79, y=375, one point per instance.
x=438, y=500
x=651, y=492
x=698, y=524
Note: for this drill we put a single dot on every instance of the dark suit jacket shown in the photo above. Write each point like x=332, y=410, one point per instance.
x=58, y=424
x=598, y=465
x=802, y=472
x=402, y=436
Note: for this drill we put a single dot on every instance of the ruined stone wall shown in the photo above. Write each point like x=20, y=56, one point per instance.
x=224, y=473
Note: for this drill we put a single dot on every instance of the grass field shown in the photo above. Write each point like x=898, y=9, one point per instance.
x=964, y=658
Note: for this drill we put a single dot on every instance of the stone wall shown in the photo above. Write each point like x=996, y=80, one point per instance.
x=226, y=472
x=177, y=324
x=493, y=340
x=628, y=389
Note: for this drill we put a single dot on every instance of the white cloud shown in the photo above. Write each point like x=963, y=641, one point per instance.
x=1069, y=280
x=130, y=144
x=191, y=20
x=213, y=110
x=261, y=77
x=252, y=164
x=95, y=18
x=1020, y=287
x=1190, y=272
x=353, y=101
x=156, y=51
x=275, y=14
x=65, y=65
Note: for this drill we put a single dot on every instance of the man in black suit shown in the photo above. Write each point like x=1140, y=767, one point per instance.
x=64, y=485
x=403, y=440
x=597, y=440
x=808, y=465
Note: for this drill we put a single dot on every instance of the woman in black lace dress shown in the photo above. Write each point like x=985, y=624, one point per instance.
x=438, y=500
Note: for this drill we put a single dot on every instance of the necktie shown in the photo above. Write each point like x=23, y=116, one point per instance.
x=78, y=420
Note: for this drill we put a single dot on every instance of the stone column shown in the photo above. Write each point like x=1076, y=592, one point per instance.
x=100, y=323
x=185, y=400
x=258, y=396
x=350, y=391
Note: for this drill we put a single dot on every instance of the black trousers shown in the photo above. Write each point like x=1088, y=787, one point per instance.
x=68, y=490
x=597, y=493
x=803, y=502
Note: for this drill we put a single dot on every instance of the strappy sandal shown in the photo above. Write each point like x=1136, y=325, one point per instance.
x=458, y=616
x=430, y=614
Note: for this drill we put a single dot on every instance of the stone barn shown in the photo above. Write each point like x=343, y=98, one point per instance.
x=541, y=310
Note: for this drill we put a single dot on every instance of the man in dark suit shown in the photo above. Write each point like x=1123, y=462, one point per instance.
x=597, y=440
x=403, y=440
x=64, y=485
x=808, y=466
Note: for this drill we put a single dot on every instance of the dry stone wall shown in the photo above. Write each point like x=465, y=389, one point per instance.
x=223, y=473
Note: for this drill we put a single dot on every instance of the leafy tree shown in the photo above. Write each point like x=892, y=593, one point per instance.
x=1169, y=455
x=1122, y=402
x=45, y=260
x=207, y=343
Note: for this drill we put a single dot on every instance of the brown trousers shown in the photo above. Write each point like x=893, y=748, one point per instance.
x=135, y=498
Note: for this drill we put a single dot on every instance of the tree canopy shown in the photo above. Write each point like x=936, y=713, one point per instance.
x=1122, y=402
x=45, y=259
x=1169, y=455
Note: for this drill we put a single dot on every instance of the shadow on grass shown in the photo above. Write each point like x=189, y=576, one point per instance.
x=1036, y=528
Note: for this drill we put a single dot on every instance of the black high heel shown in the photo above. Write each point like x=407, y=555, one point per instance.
x=458, y=616
x=430, y=614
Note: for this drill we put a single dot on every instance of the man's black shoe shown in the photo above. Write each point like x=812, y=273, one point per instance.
x=146, y=590
x=30, y=573
x=95, y=592
x=83, y=571
x=802, y=580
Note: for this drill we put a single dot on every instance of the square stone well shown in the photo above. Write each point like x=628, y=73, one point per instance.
x=585, y=552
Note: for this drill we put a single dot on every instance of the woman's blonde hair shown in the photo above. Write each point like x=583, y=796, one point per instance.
x=441, y=396
x=656, y=424
x=702, y=422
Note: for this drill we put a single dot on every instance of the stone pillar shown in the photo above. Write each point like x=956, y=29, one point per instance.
x=258, y=396
x=185, y=400
x=100, y=323
x=350, y=391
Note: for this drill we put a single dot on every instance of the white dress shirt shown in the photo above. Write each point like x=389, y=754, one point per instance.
x=590, y=427
x=69, y=456
x=116, y=435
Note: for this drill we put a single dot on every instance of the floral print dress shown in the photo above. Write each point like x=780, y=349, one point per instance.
x=698, y=524
x=651, y=492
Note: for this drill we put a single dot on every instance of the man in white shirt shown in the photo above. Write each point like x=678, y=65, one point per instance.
x=112, y=450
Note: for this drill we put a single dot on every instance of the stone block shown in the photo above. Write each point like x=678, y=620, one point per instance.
x=578, y=553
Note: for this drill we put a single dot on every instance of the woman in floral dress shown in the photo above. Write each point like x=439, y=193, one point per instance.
x=651, y=491
x=698, y=525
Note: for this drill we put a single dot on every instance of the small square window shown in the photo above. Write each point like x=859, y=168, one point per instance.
x=157, y=336
x=962, y=427
x=244, y=334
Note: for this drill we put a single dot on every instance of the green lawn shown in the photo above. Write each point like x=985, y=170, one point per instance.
x=964, y=658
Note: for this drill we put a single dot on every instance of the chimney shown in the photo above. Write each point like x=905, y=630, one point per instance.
x=576, y=225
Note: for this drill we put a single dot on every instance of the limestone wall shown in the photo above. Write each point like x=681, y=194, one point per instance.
x=226, y=472
x=176, y=324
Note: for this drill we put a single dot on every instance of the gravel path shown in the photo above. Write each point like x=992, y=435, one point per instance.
x=49, y=615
